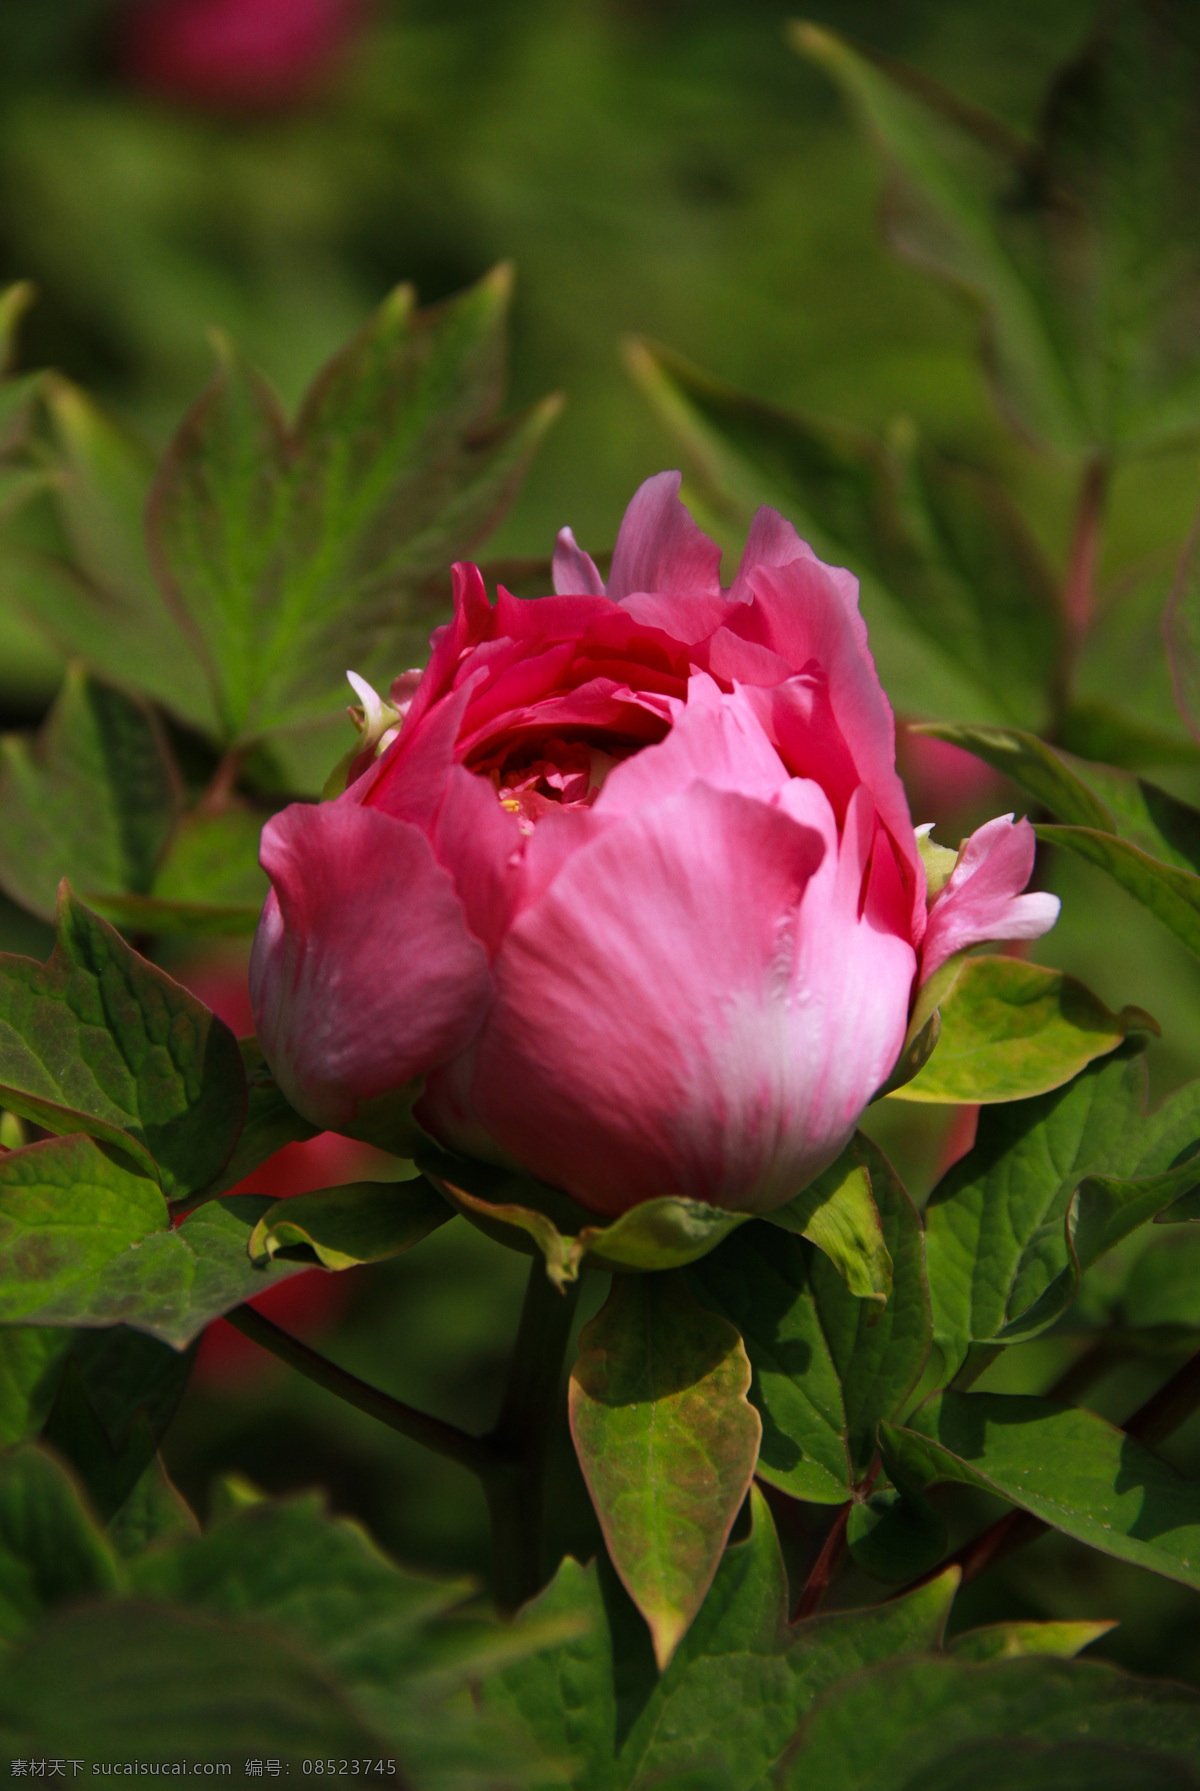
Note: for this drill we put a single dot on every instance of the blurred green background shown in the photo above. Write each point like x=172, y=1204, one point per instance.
x=664, y=167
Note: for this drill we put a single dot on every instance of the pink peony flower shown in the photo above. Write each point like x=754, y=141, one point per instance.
x=634, y=888
x=252, y=53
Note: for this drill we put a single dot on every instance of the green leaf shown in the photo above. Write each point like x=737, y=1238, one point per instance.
x=1172, y=896
x=1099, y=731
x=271, y=1123
x=153, y=1514
x=667, y=1442
x=175, y=1282
x=939, y=538
x=127, y=1382
x=1049, y=1184
x=94, y=798
x=108, y=1472
x=737, y=1685
x=1075, y=1471
x=528, y=1215
x=196, y=920
x=178, y=1682
x=1079, y=253
x=50, y=1548
x=826, y=1366
x=839, y=1215
x=103, y=602
x=68, y=1208
x=99, y=1040
x=31, y=1361
x=950, y=1725
x=1060, y=1638
x=291, y=552
x=357, y=1222
x=1011, y=1029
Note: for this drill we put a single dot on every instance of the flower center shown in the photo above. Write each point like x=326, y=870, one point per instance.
x=534, y=781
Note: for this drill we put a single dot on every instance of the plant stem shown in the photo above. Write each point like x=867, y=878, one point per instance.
x=824, y=1567
x=515, y=1478
x=1079, y=599
x=476, y=1453
x=1170, y=1407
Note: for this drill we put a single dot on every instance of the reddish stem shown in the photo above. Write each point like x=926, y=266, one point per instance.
x=824, y=1567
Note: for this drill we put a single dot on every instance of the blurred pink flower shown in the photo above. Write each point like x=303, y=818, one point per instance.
x=237, y=53
x=942, y=779
x=633, y=898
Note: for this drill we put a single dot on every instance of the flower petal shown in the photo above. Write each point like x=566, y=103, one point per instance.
x=696, y=1005
x=660, y=548
x=982, y=899
x=574, y=572
x=364, y=973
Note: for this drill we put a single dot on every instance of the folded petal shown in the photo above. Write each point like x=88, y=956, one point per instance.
x=574, y=572
x=364, y=972
x=695, y=1005
x=717, y=739
x=660, y=548
x=982, y=899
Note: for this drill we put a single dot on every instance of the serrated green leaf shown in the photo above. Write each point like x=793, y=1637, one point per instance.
x=68, y=1207
x=838, y=1214
x=289, y=553
x=50, y=1548
x=94, y=798
x=1172, y=895
x=103, y=602
x=738, y=1683
x=939, y=537
x=1060, y=1638
x=1075, y=1471
x=826, y=1369
x=179, y=1682
x=355, y=1223
x=949, y=1725
x=31, y=1361
x=1010, y=1030
x=1005, y=1224
x=99, y=1040
x=667, y=1442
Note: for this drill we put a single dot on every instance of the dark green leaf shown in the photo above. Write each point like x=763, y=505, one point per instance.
x=1097, y=730
x=292, y=552
x=358, y=1222
x=108, y=1471
x=1073, y=1470
x=1011, y=1029
x=196, y=920
x=271, y=1123
x=31, y=1361
x=1017, y=1216
x=177, y=1682
x=739, y=1681
x=154, y=1513
x=99, y=1040
x=826, y=1366
x=1164, y=1285
x=1007, y=1641
x=50, y=1548
x=126, y=1374
x=94, y=798
x=939, y=538
x=951, y=1725
x=176, y=1282
x=667, y=1442
x=896, y=1536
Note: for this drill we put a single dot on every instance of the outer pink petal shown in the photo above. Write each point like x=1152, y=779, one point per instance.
x=694, y=1006
x=660, y=548
x=364, y=973
x=983, y=898
x=574, y=571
